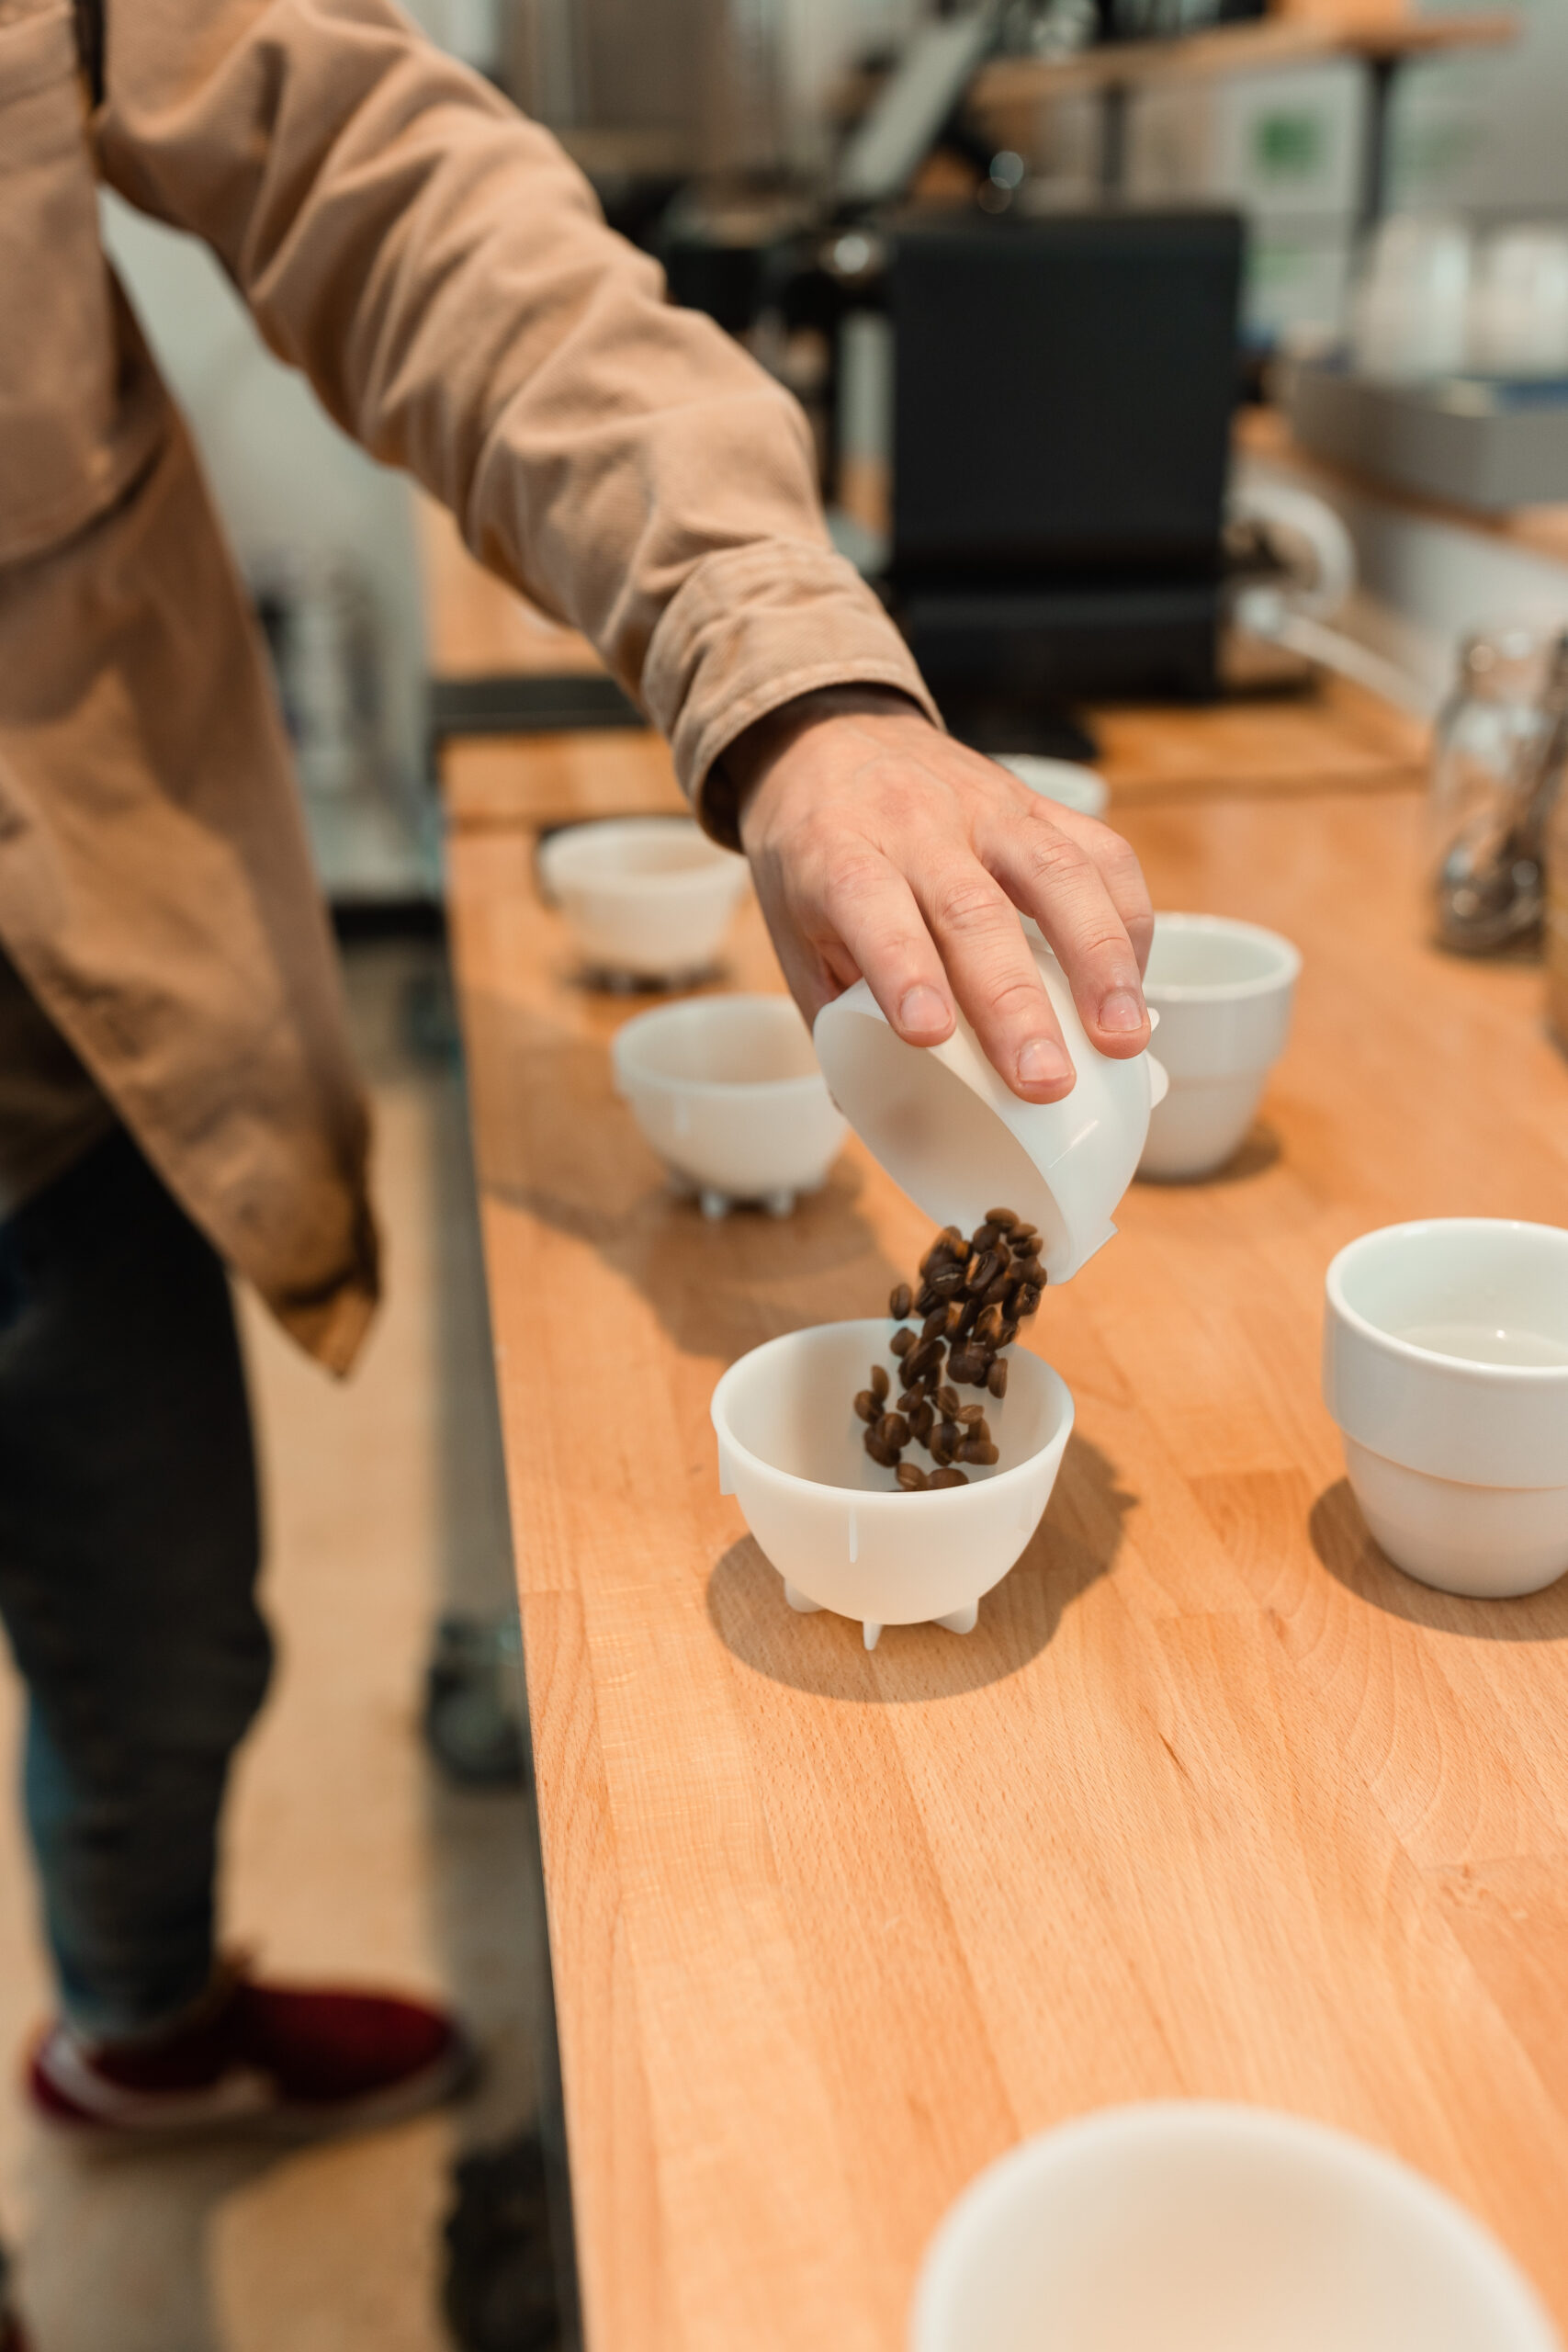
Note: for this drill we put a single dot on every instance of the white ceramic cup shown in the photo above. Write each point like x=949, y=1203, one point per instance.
x=1445, y=1363
x=1061, y=780
x=830, y=1519
x=948, y=1128
x=650, y=898
x=1223, y=992
x=1410, y=315
x=728, y=1091
x=1519, y=306
x=1191, y=2226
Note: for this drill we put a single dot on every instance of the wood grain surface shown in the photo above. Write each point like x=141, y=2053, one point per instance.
x=1213, y=1802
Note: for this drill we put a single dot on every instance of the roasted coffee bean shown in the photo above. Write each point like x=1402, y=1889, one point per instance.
x=1009, y=1333
x=868, y=1406
x=925, y=1357
x=935, y=1324
x=880, y=1384
x=1001, y=1216
x=910, y=1476
x=980, y=1270
x=893, y=1429
x=975, y=1448
x=948, y=1399
x=955, y=1317
x=903, y=1339
x=944, y=1283
x=900, y=1302
x=922, y=1420
x=989, y=1326
x=1022, y=1240
x=969, y=1415
x=996, y=1379
x=940, y=1454
x=985, y=1236
x=947, y=1477
x=908, y=1400
x=951, y=1434
x=1026, y=1302
x=878, y=1451
x=995, y=1294
x=1033, y=1271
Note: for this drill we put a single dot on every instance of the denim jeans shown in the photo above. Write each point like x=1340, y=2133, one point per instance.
x=128, y=1551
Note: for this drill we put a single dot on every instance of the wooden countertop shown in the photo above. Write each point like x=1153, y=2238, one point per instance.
x=1213, y=1802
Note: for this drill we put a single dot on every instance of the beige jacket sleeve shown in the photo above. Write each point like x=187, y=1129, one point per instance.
x=439, y=269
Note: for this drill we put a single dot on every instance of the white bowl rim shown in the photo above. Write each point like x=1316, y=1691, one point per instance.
x=660, y=879
x=860, y=1496
x=1505, y=1376
x=726, y=1090
x=1265, y=2127
x=1287, y=971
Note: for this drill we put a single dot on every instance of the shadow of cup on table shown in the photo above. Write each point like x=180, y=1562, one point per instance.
x=825, y=1654
x=1345, y=1544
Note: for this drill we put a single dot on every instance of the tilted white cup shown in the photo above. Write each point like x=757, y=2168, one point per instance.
x=952, y=1134
x=1197, y=2226
x=1445, y=1365
x=1224, y=991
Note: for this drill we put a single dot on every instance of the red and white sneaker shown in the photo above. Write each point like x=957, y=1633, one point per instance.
x=256, y=2057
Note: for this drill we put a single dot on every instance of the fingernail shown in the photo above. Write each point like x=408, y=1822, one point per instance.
x=922, y=1009
x=1121, y=1010
x=1042, y=1062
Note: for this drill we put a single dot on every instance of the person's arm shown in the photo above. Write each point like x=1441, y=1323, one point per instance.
x=439, y=269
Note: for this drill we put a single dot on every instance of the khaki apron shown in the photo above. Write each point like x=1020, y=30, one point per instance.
x=156, y=890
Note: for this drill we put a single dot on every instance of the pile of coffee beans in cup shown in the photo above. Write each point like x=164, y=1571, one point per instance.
x=973, y=1296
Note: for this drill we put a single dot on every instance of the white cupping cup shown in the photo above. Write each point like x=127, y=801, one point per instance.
x=1223, y=992
x=1191, y=2226
x=728, y=1091
x=647, y=898
x=790, y=1451
x=1445, y=1365
x=959, y=1141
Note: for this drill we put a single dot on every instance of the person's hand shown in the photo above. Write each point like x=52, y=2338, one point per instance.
x=881, y=849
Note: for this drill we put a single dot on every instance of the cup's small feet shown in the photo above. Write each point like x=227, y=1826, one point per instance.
x=715, y=1203
x=780, y=1203
x=872, y=1633
x=961, y=1620
x=800, y=1601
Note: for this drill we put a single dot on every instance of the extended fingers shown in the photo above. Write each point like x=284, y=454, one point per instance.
x=993, y=973
x=872, y=912
x=1091, y=906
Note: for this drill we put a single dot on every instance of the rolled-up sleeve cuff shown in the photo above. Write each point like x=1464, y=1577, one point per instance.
x=749, y=629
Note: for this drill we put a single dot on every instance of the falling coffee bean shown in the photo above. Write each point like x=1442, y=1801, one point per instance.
x=878, y=1451
x=902, y=1340
x=893, y=1429
x=910, y=1476
x=996, y=1379
x=970, y=1414
x=976, y=1449
x=1001, y=1216
x=868, y=1406
x=899, y=1306
x=980, y=1271
x=880, y=1384
x=948, y=1399
x=989, y=1326
x=922, y=1359
x=947, y=1477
